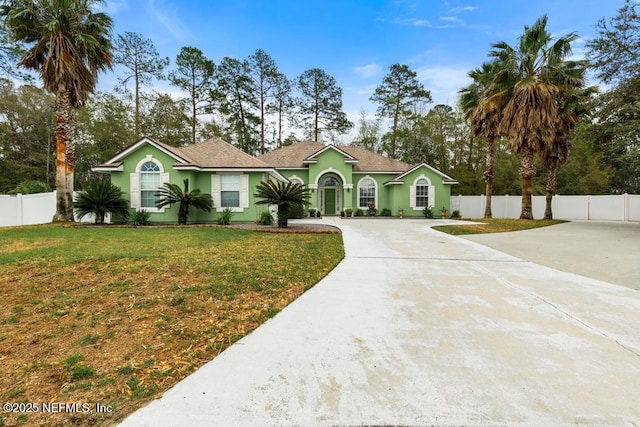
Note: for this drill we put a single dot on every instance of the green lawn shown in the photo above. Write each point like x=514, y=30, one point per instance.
x=116, y=316
x=492, y=225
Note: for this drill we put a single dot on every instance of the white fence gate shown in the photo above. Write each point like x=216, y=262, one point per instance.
x=623, y=207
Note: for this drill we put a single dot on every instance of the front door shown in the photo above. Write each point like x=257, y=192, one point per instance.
x=329, y=201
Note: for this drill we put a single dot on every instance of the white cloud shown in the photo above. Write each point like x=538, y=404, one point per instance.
x=464, y=9
x=170, y=20
x=366, y=71
x=450, y=19
x=444, y=82
x=112, y=7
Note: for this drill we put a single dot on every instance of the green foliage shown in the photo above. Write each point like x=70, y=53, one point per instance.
x=285, y=195
x=265, y=218
x=31, y=187
x=385, y=212
x=427, y=212
x=172, y=193
x=225, y=217
x=100, y=198
x=359, y=212
x=194, y=75
x=397, y=96
x=455, y=214
x=296, y=212
x=140, y=218
x=141, y=62
x=320, y=104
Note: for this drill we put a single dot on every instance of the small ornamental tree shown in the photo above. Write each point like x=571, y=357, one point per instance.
x=284, y=194
x=172, y=193
x=100, y=198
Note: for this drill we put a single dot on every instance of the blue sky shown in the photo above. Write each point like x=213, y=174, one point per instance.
x=354, y=41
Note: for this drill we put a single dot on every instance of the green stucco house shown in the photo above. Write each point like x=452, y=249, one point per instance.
x=339, y=177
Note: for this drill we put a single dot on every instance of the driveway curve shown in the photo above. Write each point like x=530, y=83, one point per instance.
x=416, y=327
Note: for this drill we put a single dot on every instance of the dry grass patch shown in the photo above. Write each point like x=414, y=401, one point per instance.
x=493, y=225
x=116, y=316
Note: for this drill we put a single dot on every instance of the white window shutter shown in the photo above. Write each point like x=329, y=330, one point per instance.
x=215, y=190
x=134, y=190
x=432, y=196
x=412, y=196
x=244, y=191
x=164, y=178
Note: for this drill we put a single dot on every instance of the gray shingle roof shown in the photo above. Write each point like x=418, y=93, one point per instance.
x=216, y=153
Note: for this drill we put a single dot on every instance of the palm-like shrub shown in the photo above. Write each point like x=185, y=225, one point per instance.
x=172, y=193
x=284, y=194
x=100, y=198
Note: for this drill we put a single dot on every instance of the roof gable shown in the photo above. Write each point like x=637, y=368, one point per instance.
x=167, y=149
x=446, y=179
x=313, y=158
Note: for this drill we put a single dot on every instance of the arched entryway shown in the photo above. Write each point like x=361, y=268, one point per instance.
x=330, y=194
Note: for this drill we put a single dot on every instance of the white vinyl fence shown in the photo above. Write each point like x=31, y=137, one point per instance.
x=29, y=209
x=623, y=207
x=40, y=208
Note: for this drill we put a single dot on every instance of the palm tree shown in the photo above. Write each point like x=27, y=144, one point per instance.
x=482, y=103
x=68, y=44
x=535, y=70
x=100, y=198
x=572, y=104
x=172, y=193
x=284, y=194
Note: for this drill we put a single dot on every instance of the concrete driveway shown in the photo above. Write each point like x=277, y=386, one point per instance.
x=416, y=327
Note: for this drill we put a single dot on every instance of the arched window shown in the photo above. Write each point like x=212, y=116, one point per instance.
x=296, y=180
x=330, y=181
x=366, y=193
x=150, y=182
x=422, y=193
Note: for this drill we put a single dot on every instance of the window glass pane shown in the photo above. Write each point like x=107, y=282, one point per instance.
x=230, y=182
x=150, y=167
x=230, y=199
x=329, y=181
x=148, y=199
x=422, y=193
x=149, y=181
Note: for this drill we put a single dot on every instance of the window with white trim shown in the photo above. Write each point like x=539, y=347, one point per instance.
x=230, y=191
x=366, y=193
x=144, y=184
x=150, y=183
x=422, y=193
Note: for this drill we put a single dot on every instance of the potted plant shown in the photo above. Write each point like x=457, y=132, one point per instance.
x=401, y=213
x=341, y=214
x=348, y=212
x=443, y=212
x=318, y=214
x=312, y=212
x=372, y=209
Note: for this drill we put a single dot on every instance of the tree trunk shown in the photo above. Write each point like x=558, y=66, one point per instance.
x=527, y=170
x=488, y=177
x=550, y=188
x=64, y=195
x=136, y=116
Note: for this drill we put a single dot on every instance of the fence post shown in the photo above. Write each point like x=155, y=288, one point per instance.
x=588, y=208
x=19, y=215
x=625, y=207
x=506, y=206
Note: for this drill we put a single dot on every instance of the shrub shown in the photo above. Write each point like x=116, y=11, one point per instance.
x=385, y=212
x=359, y=212
x=171, y=193
x=265, y=218
x=286, y=195
x=100, y=198
x=455, y=214
x=31, y=187
x=140, y=218
x=296, y=211
x=428, y=213
x=225, y=217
